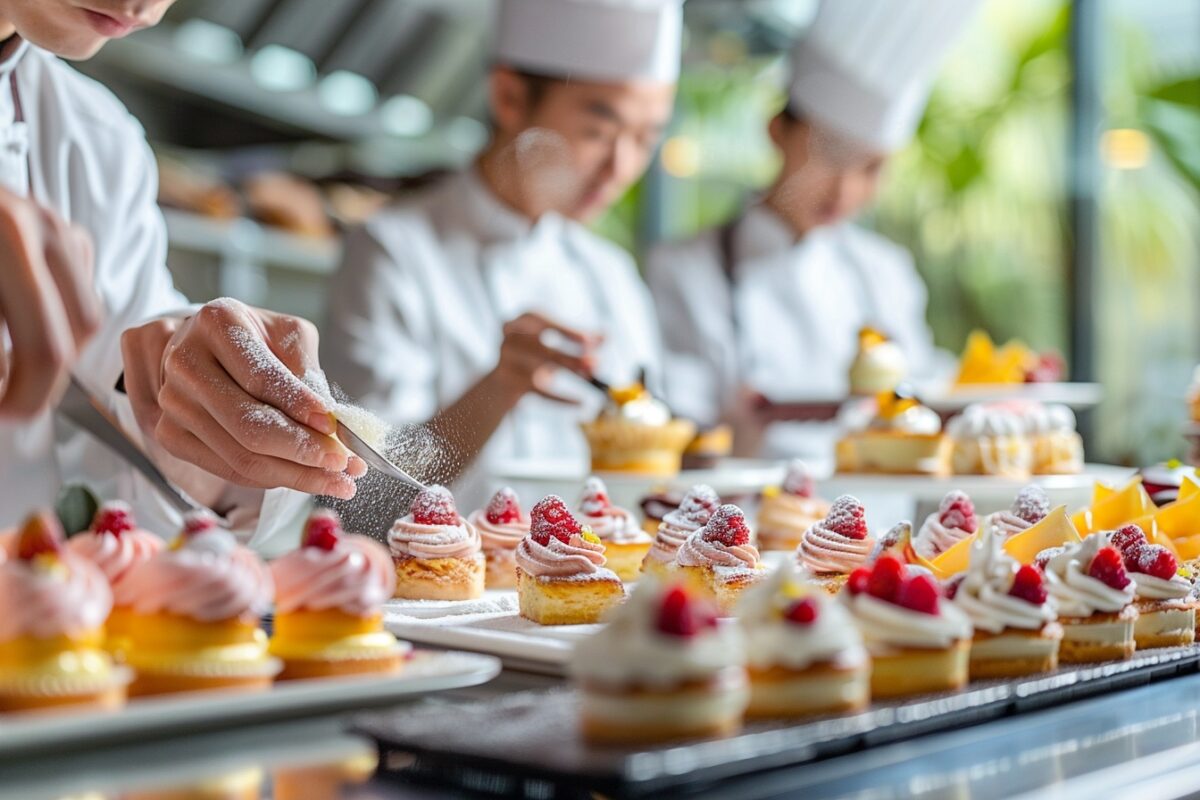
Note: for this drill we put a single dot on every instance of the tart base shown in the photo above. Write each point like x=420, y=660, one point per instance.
x=724, y=589
x=639, y=715
x=819, y=689
x=440, y=578
x=907, y=671
x=567, y=602
x=1100, y=637
x=625, y=558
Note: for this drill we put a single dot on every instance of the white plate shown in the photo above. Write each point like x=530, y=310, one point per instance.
x=207, y=711
x=1079, y=396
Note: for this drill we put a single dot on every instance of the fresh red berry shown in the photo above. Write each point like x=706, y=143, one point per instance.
x=435, y=506
x=950, y=587
x=1042, y=559
x=727, y=526
x=681, y=614
x=957, y=511
x=698, y=505
x=1029, y=585
x=551, y=518
x=198, y=522
x=798, y=481
x=858, y=580
x=1050, y=368
x=886, y=578
x=322, y=530
x=41, y=534
x=919, y=593
x=803, y=611
x=1153, y=559
x=114, y=517
x=1032, y=504
x=847, y=517
x=1109, y=568
x=1127, y=538
x=595, y=498
x=504, y=508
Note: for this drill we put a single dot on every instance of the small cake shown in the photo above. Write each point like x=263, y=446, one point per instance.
x=501, y=526
x=989, y=440
x=918, y=642
x=879, y=365
x=662, y=669
x=834, y=547
x=954, y=521
x=904, y=438
x=328, y=596
x=192, y=613
x=1095, y=600
x=1029, y=508
x=804, y=654
x=655, y=508
x=635, y=433
x=1165, y=602
x=1056, y=445
x=709, y=446
x=718, y=558
x=625, y=543
x=52, y=629
x=1016, y=632
x=790, y=509
x=438, y=555
x=561, y=577
x=692, y=514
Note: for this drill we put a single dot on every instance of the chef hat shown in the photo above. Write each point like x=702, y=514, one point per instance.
x=865, y=67
x=600, y=40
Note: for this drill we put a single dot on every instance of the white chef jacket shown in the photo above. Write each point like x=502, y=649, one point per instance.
x=787, y=324
x=424, y=289
x=68, y=143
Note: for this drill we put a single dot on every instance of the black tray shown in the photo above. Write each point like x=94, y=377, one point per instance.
x=528, y=744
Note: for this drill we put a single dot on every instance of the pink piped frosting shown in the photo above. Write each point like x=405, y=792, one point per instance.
x=558, y=559
x=209, y=579
x=68, y=596
x=411, y=539
x=355, y=577
x=824, y=551
x=693, y=513
x=116, y=555
x=698, y=551
x=498, y=535
x=611, y=523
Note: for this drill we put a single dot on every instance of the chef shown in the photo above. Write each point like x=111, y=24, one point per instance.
x=479, y=303
x=769, y=304
x=216, y=390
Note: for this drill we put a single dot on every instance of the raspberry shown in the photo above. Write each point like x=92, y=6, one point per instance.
x=1127, y=538
x=950, y=587
x=798, y=481
x=919, y=593
x=114, y=517
x=595, y=498
x=803, y=611
x=1108, y=568
x=1031, y=505
x=699, y=504
x=957, y=511
x=1029, y=586
x=681, y=614
x=322, y=530
x=847, y=517
x=886, y=578
x=858, y=580
x=198, y=522
x=727, y=526
x=41, y=534
x=551, y=518
x=434, y=506
x=504, y=508
x=1153, y=559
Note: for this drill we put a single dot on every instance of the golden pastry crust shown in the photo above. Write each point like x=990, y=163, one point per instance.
x=567, y=602
x=107, y=699
x=723, y=588
x=306, y=668
x=1074, y=651
x=774, y=694
x=987, y=667
x=894, y=453
x=625, y=558
x=440, y=578
x=622, y=446
x=501, y=570
x=148, y=684
x=908, y=671
x=666, y=726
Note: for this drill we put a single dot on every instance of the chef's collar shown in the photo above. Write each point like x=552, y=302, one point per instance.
x=764, y=233
x=9, y=62
x=495, y=222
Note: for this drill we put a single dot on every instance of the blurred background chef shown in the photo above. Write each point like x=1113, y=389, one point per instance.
x=769, y=304
x=478, y=302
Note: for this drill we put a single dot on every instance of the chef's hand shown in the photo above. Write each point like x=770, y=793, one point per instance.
x=222, y=390
x=47, y=303
x=528, y=358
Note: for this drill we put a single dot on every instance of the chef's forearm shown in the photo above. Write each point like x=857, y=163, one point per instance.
x=467, y=425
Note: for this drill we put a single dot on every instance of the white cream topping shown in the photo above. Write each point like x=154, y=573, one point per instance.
x=934, y=538
x=885, y=624
x=1078, y=594
x=984, y=596
x=916, y=420
x=977, y=420
x=1152, y=587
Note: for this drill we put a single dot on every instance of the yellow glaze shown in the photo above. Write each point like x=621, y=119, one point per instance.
x=1055, y=530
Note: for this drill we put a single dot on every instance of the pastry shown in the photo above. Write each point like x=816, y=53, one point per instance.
x=52, y=629
x=561, y=577
x=692, y=514
x=804, y=654
x=625, y=543
x=328, y=596
x=636, y=433
x=1056, y=444
x=953, y=521
x=1165, y=601
x=879, y=365
x=1095, y=600
x=834, y=547
x=905, y=437
x=502, y=526
x=990, y=440
x=708, y=447
x=1030, y=507
x=918, y=642
x=192, y=614
x=663, y=668
x=790, y=509
x=718, y=558
x=655, y=508
x=1016, y=632
x=438, y=555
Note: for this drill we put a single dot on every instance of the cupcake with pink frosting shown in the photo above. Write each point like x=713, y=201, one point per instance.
x=693, y=513
x=501, y=525
x=328, y=599
x=718, y=558
x=788, y=510
x=625, y=543
x=191, y=615
x=953, y=522
x=438, y=555
x=837, y=545
x=115, y=543
x=55, y=605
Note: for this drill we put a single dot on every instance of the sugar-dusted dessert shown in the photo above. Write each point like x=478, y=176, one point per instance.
x=1030, y=507
x=718, y=558
x=438, y=555
x=990, y=440
x=879, y=365
x=655, y=508
x=788, y=510
x=905, y=438
x=1166, y=602
x=625, y=543
x=834, y=547
x=1095, y=600
x=692, y=514
x=636, y=433
x=953, y=521
x=502, y=526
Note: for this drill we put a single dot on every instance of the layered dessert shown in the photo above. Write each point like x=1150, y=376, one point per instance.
x=677, y=525
x=837, y=545
x=718, y=559
x=501, y=525
x=990, y=440
x=636, y=433
x=1095, y=598
x=1166, y=601
x=953, y=522
x=437, y=554
x=788, y=510
x=879, y=366
x=655, y=508
x=1056, y=444
x=625, y=543
x=904, y=437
